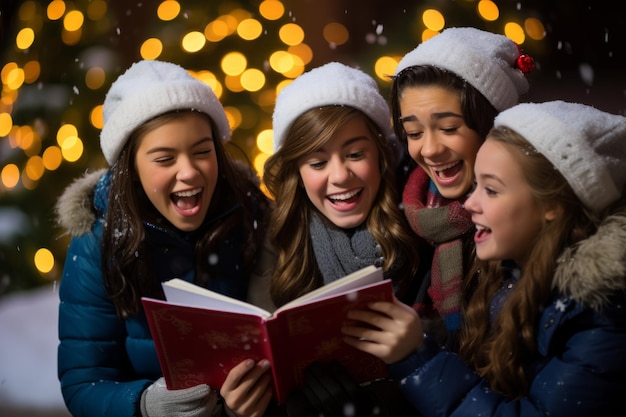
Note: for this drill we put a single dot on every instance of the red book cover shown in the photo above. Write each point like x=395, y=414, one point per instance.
x=200, y=335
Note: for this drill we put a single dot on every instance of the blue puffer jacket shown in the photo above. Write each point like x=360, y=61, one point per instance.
x=581, y=338
x=104, y=363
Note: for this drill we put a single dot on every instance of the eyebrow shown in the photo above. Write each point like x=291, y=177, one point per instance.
x=166, y=149
x=489, y=176
x=436, y=116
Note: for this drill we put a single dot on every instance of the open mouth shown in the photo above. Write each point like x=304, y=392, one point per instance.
x=345, y=198
x=448, y=171
x=481, y=233
x=186, y=200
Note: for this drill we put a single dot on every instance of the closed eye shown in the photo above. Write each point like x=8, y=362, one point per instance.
x=450, y=130
x=204, y=151
x=317, y=165
x=490, y=192
x=414, y=135
x=356, y=155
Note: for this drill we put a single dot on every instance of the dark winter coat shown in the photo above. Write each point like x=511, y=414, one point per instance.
x=104, y=363
x=581, y=338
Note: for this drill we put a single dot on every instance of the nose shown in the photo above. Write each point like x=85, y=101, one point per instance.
x=430, y=145
x=471, y=203
x=339, y=171
x=186, y=170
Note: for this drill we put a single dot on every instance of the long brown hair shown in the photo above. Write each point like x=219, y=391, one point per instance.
x=125, y=263
x=296, y=271
x=501, y=354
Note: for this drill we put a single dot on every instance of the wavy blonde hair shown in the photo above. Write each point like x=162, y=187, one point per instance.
x=502, y=353
x=296, y=271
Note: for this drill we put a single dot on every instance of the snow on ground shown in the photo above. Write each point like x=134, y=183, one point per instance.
x=28, y=347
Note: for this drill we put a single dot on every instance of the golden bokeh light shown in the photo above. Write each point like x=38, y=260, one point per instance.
x=282, y=85
x=73, y=20
x=303, y=51
x=385, y=67
x=32, y=69
x=211, y=80
x=259, y=162
x=25, y=139
x=52, y=158
x=238, y=15
x=249, y=29
x=234, y=63
x=433, y=20
x=94, y=78
x=291, y=34
x=252, y=79
x=44, y=260
x=271, y=9
x=233, y=83
x=151, y=48
x=10, y=175
x=335, y=33
x=4, y=74
x=515, y=32
x=6, y=124
x=193, y=41
x=216, y=31
x=534, y=28
x=265, y=141
x=488, y=10
x=428, y=33
x=25, y=38
x=96, y=117
x=234, y=116
x=55, y=9
x=281, y=61
x=34, y=168
x=72, y=148
x=66, y=131
x=15, y=78
x=168, y=10
x=297, y=69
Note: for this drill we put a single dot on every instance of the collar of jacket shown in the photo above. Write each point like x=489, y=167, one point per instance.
x=593, y=270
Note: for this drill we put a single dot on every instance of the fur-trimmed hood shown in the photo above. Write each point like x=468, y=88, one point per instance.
x=75, y=209
x=595, y=268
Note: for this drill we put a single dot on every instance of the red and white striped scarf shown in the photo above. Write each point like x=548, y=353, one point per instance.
x=444, y=224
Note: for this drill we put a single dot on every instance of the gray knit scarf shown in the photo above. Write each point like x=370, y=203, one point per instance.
x=340, y=252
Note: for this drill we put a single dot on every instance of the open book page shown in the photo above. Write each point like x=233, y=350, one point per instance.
x=178, y=291
x=357, y=279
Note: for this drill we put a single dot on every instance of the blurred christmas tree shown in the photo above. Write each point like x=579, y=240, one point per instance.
x=59, y=58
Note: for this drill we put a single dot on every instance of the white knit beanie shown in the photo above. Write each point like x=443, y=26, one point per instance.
x=487, y=61
x=148, y=89
x=329, y=84
x=586, y=145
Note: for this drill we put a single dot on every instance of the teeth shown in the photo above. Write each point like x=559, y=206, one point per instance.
x=444, y=167
x=478, y=227
x=189, y=193
x=344, y=196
